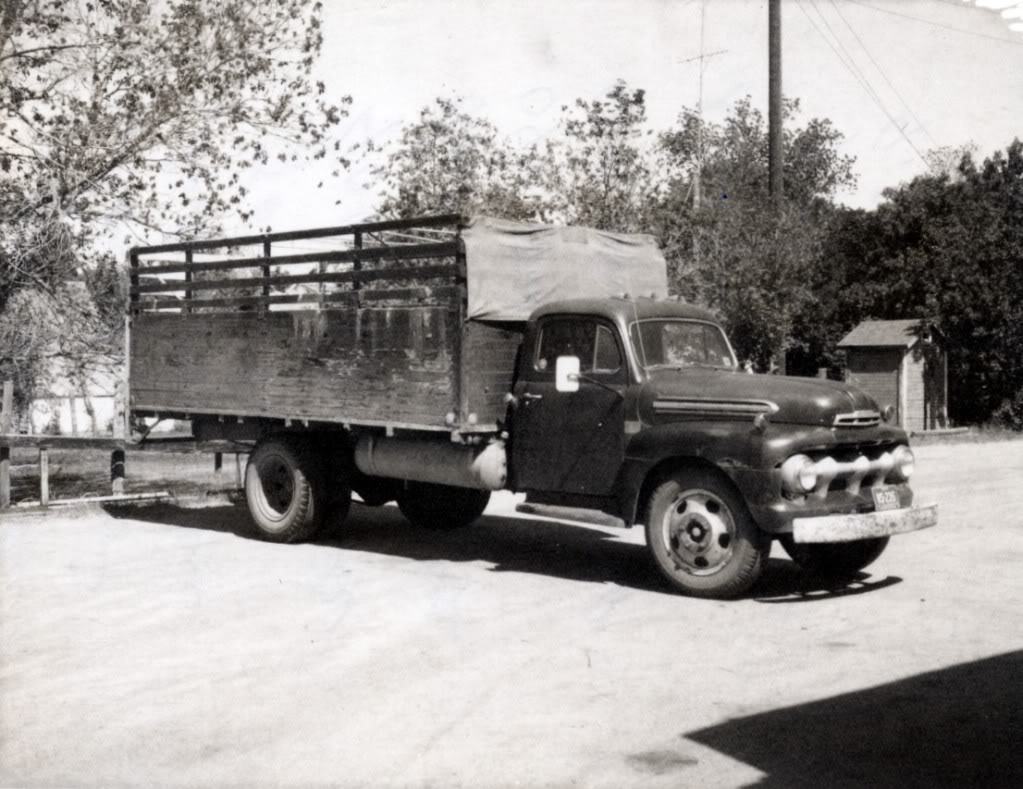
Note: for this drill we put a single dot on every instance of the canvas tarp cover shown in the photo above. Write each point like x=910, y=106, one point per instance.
x=514, y=267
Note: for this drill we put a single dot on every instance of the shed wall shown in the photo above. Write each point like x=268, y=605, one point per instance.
x=876, y=371
x=926, y=396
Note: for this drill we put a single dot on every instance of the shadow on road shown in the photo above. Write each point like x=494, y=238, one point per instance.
x=960, y=726
x=524, y=545
x=784, y=582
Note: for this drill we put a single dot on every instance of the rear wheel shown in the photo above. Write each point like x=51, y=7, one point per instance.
x=441, y=507
x=287, y=491
x=834, y=559
x=375, y=491
x=702, y=537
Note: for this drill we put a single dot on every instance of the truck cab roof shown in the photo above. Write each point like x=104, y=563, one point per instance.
x=623, y=310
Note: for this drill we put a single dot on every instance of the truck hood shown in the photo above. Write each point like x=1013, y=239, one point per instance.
x=708, y=393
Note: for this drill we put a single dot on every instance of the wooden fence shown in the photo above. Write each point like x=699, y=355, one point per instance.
x=117, y=446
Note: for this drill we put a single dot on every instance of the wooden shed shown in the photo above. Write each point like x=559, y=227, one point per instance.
x=897, y=366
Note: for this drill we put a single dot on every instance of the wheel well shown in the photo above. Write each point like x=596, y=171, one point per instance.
x=674, y=465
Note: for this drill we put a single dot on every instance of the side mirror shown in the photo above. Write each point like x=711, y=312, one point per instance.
x=566, y=374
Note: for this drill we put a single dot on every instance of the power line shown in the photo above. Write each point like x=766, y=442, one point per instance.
x=931, y=22
x=865, y=80
x=861, y=79
x=848, y=55
x=857, y=75
x=880, y=70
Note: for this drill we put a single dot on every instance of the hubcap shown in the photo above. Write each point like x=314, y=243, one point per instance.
x=698, y=531
x=278, y=484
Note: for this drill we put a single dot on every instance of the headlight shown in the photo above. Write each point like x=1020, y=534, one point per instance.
x=799, y=474
x=888, y=414
x=904, y=462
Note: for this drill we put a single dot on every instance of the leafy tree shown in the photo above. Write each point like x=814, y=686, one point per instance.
x=127, y=114
x=740, y=252
x=951, y=256
x=131, y=111
x=600, y=173
x=943, y=248
x=595, y=174
x=448, y=160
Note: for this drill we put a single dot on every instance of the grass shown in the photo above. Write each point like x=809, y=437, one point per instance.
x=972, y=435
x=86, y=472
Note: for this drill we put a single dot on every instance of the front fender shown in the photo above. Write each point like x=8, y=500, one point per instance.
x=735, y=449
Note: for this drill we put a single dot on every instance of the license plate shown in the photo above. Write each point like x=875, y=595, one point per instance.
x=885, y=498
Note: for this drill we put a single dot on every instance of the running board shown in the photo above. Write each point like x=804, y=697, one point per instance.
x=571, y=514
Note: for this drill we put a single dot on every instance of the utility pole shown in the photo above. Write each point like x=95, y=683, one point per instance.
x=774, y=110
x=774, y=135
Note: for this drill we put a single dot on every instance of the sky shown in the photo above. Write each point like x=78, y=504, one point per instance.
x=897, y=77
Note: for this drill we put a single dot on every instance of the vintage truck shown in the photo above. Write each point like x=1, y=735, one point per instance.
x=432, y=361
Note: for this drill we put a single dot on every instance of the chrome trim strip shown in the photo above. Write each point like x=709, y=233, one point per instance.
x=700, y=407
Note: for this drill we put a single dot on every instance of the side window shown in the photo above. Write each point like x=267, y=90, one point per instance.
x=565, y=337
x=592, y=342
x=606, y=358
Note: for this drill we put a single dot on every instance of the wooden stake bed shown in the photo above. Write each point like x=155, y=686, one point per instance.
x=297, y=337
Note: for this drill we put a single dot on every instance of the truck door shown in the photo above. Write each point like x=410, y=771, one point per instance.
x=570, y=442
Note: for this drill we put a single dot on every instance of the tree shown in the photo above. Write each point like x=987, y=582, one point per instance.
x=448, y=160
x=118, y=111
x=126, y=114
x=944, y=248
x=600, y=173
x=596, y=174
x=951, y=252
x=740, y=252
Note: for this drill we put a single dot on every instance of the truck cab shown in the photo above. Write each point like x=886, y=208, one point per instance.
x=639, y=408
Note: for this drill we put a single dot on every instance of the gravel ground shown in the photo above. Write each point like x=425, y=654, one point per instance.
x=160, y=646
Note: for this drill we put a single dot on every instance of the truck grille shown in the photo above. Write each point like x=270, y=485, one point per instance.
x=851, y=470
x=858, y=419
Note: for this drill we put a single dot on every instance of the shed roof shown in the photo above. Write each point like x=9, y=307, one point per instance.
x=882, y=334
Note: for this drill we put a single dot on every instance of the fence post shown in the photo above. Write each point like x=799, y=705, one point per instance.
x=117, y=472
x=6, y=417
x=44, y=477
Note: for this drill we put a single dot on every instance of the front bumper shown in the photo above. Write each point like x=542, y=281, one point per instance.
x=864, y=525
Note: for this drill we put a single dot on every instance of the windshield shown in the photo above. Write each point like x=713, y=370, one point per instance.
x=680, y=343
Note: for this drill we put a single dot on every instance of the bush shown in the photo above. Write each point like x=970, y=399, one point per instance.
x=1010, y=413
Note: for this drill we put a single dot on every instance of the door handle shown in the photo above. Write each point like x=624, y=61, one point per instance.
x=531, y=396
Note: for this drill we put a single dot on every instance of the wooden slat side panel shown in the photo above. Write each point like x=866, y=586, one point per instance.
x=489, y=355
x=386, y=364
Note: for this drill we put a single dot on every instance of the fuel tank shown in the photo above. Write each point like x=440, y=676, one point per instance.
x=440, y=462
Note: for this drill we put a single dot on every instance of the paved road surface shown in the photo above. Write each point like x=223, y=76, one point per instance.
x=161, y=648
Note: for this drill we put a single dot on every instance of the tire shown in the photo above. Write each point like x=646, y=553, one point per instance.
x=375, y=491
x=286, y=490
x=701, y=536
x=441, y=507
x=834, y=559
x=337, y=477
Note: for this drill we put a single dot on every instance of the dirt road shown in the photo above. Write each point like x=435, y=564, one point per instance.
x=161, y=648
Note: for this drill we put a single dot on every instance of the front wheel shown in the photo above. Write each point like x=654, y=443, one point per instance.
x=441, y=507
x=833, y=559
x=702, y=537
